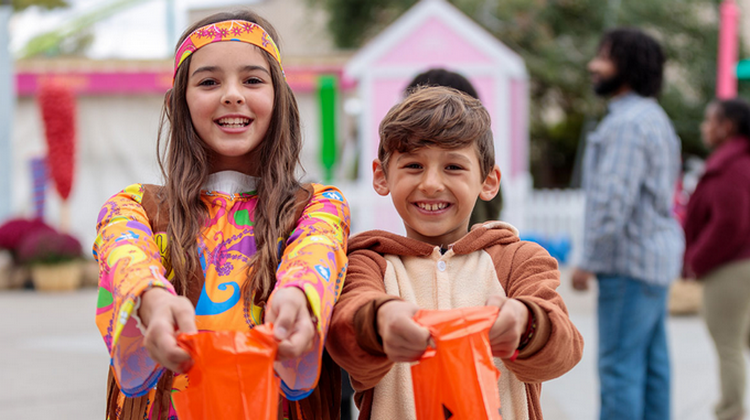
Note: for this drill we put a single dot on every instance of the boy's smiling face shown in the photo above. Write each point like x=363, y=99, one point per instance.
x=434, y=190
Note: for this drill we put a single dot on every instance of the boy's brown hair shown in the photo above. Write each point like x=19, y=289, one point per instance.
x=437, y=116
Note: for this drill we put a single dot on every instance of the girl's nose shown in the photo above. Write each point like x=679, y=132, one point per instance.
x=233, y=96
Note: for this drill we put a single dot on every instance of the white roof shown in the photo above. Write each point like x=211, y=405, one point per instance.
x=512, y=64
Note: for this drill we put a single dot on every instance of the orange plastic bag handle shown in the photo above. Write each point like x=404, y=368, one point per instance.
x=457, y=379
x=232, y=376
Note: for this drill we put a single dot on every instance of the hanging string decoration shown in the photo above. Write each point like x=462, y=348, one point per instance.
x=57, y=103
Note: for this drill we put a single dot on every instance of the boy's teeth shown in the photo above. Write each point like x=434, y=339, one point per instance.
x=432, y=207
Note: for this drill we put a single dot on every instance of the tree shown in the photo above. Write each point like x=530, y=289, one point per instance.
x=19, y=5
x=557, y=38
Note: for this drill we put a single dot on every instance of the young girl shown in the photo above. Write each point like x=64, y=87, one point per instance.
x=231, y=241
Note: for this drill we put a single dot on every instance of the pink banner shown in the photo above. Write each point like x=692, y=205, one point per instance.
x=300, y=79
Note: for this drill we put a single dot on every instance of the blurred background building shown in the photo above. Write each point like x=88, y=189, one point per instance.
x=347, y=62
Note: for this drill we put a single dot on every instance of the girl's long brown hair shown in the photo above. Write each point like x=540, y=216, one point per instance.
x=185, y=163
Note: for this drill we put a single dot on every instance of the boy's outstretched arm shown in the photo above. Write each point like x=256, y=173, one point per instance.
x=403, y=339
x=507, y=331
x=532, y=278
x=353, y=340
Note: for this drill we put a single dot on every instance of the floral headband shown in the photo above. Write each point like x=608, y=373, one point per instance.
x=228, y=30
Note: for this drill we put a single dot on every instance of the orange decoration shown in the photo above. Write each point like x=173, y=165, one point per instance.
x=232, y=376
x=457, y=379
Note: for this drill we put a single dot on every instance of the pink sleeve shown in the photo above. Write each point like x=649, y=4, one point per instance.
x=315, y=261
x=129, y=264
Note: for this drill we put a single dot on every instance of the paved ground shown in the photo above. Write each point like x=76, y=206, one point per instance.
x=694, y=367
x=53, y=362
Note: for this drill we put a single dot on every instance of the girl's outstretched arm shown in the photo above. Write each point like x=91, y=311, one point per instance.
x=165, y=315
x=314, y=262
x=292, y=324
x=129, y=264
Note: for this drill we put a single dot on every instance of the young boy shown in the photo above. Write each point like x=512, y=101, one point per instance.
x=435, y=159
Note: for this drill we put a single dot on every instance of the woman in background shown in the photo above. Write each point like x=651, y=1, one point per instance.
x=717, y=235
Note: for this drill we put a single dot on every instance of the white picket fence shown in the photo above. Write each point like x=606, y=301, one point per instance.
x=554, y=214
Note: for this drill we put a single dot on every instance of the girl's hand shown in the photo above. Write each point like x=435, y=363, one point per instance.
x=403, y=339
x=165, y=315
x=506, y=332
x=292, y=325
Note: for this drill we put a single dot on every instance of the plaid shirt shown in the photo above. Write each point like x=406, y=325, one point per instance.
x=631, y=166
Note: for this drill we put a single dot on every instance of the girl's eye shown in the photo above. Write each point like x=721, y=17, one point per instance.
x=207, y=82
x=254, y=81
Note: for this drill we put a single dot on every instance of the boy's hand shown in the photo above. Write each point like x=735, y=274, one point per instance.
x=511, y=322
x=403, y=339
x=292, y=324
x=164, y=315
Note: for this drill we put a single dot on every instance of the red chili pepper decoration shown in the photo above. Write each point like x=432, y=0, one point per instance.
x=58, y=106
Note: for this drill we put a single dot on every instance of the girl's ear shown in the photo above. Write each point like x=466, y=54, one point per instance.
x=491, y=184
x=379, y=182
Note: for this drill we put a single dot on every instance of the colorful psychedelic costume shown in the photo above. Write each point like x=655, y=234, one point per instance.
x=130, y=261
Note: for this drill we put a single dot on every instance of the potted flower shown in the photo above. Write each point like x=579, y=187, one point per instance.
x=12, y=233
x=54, y=259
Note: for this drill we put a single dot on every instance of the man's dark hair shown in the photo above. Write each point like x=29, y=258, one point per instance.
x=639, y=59
x=737, y=111
x=442, y=77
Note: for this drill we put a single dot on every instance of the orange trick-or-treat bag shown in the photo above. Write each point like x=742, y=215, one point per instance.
x=457, y=379
x=232, y=376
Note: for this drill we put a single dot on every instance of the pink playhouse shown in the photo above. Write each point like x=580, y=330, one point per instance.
x=435, y=34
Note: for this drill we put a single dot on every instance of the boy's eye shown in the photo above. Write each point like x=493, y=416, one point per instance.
x=413, y=166
x=454, y=168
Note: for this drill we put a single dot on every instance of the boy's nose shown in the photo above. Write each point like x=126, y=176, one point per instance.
x=432, y=182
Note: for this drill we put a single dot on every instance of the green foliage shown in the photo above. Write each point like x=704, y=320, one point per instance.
x=352, y=21
x=74, y=36
x=19, y=5
x=557, y=38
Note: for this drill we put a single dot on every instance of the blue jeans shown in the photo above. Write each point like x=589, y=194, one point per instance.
x=633, y=355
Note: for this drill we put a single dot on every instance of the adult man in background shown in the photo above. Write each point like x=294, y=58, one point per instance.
x=632, y=244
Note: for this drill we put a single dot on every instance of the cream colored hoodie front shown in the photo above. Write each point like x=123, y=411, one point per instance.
x=443, y=281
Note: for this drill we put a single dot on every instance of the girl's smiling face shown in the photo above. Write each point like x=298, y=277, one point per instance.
x=230, y=95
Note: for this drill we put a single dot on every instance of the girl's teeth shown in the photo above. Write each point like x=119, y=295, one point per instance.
x=233, y=122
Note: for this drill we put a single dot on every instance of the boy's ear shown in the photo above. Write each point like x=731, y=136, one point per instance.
x=379, y=183
x=491, y=184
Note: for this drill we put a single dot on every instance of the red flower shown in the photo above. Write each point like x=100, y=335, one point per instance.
x=13, y=231
x=49, y=247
